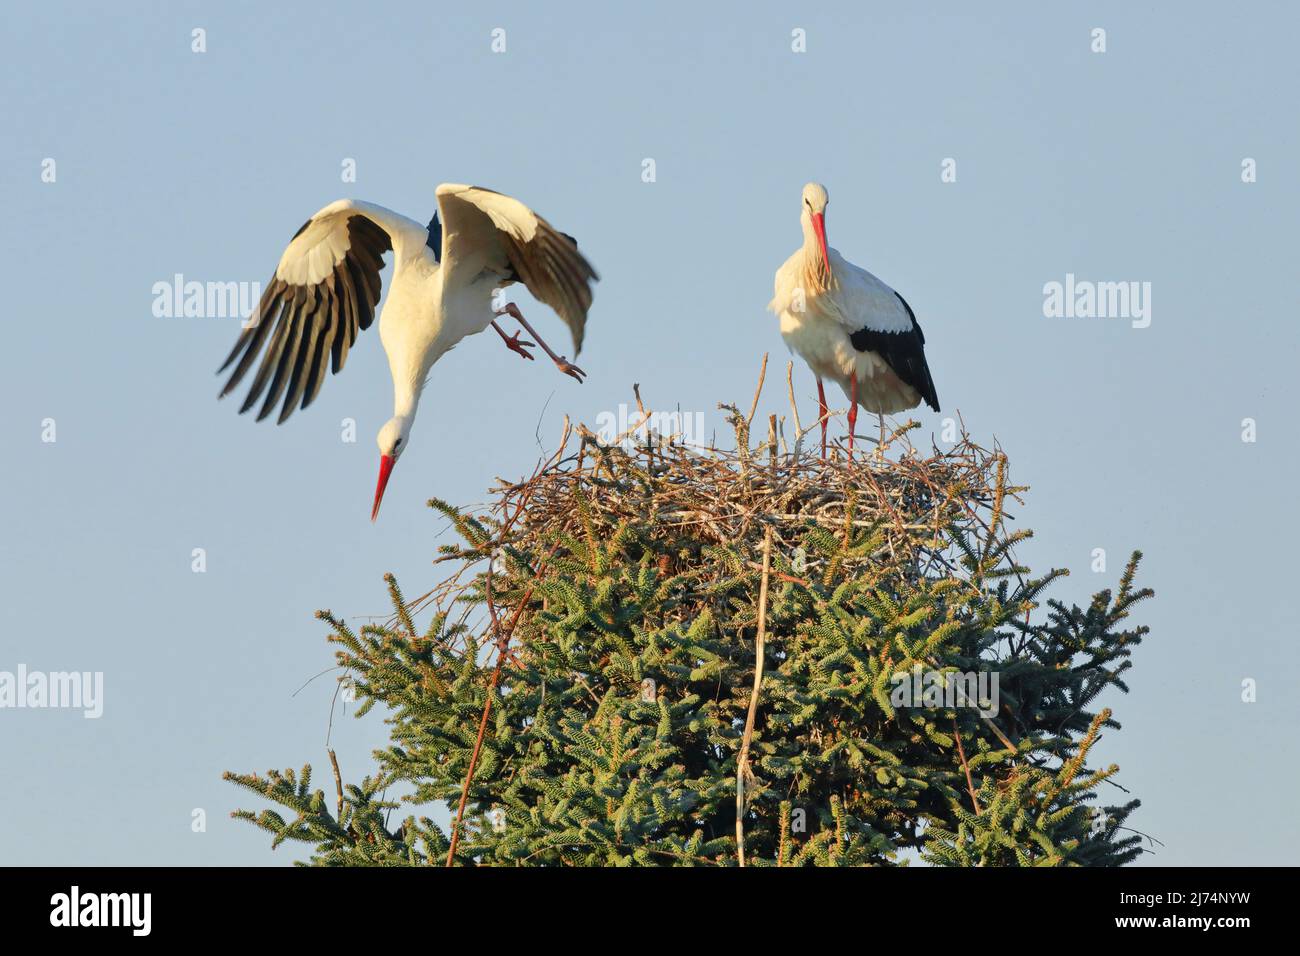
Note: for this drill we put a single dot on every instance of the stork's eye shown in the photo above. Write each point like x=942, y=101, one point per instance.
x=397, y=444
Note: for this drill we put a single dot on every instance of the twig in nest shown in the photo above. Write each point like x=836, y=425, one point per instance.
x=762, y=376
x=794, y=406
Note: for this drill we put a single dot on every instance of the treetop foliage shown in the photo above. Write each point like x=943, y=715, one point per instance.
x=579, y=690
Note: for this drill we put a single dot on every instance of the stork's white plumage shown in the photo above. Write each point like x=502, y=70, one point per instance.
x=849, y=326
x=327, y=287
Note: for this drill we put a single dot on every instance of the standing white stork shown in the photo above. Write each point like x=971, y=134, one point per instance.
x=849, y=326
x=327, y=286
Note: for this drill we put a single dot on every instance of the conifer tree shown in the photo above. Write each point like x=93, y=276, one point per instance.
x=583, y=688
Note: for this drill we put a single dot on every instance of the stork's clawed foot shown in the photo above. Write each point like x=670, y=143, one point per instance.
x=519, y=346
x=513, y=342
x=568, y=368
x=563, y=364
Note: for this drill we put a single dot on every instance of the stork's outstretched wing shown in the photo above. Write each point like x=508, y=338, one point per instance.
x=485, y=229
x=325, y=288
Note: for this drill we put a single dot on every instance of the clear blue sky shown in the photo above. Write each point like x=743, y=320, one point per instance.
x=1115, y=166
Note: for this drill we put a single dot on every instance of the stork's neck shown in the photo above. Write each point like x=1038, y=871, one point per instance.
x=406, y=398
x=810, y=247
x=817, y=275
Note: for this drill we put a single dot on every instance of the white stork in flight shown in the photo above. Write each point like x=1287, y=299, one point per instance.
x=849, y=326
x=327, y=286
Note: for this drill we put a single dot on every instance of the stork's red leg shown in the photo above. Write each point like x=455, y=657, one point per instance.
x=853, y=410
x=563, y=364
x=822, y=410
x=514, y=343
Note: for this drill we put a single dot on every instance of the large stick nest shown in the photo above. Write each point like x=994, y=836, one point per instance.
x=694, y=497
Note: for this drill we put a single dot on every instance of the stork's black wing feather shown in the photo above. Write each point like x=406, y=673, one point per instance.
x=314, y=321
x=904, y=352
x=434, y=241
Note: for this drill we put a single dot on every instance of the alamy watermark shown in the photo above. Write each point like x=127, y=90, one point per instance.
x=949, y=689
x=71, y=690
x=629, y=427
x=182, y=299
x=75, y=908
x=1085, y=299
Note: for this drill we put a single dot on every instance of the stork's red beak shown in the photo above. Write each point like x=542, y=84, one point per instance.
x=386, y=463
x=819, y=227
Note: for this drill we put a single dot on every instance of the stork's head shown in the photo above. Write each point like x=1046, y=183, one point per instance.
x=814, y=208
x=815, y=198
x=392, y=440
